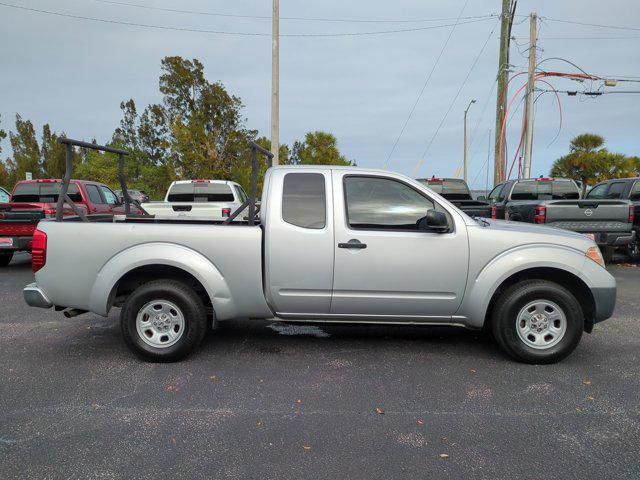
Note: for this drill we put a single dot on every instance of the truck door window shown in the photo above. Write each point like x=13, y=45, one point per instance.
x=94, y=194
x=383, y=204
x=304, y=202
x=635, y=192
x=598, y=191
x=109, y=196
x=496, y=194
x=615, y=190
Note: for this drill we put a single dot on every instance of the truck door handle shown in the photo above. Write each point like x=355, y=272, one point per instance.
x=353, y=243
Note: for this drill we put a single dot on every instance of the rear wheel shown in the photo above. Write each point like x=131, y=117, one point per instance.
x=537, y=321
x=163, y=321
x=633, y=250
x=5, y=258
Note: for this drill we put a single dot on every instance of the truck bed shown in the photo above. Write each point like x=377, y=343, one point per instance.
x=233, y=252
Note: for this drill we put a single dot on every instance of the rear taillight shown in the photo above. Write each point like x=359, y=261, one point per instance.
x=493, y=212
x=49, y=212
x=226, y=212
x=632, y=215
x=38, y=250
x=540, y=214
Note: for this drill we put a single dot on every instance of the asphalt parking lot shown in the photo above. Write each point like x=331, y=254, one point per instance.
x=275, y=402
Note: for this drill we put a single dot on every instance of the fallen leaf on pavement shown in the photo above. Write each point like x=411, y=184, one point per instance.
x=443, y=455
x=298, y=401
x=586, y=382
x=590, y=397
x=379, y=411
x=420, y=421
x=306, y=447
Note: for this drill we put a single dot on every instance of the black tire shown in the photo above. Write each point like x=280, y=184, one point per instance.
x=189, y=306
x=504, y=321
x=633, y=251
x=5, y=258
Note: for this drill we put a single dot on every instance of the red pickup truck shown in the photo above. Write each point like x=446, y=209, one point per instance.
x=33, y=200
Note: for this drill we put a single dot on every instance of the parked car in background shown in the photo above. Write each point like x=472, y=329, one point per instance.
x=4, y=195
x=457, y=192
x=622, y=189
x=34, y=200
x=334, y=244
x=556, y=202
x=204, y=199
x=137, y=195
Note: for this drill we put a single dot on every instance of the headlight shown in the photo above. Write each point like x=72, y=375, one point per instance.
x=594, y=254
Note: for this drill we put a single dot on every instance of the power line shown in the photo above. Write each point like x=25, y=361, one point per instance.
x=306, y=19
x=424, y=86
x=444, y=118
x=220, y=32
x=599, y=25
x=583, y=38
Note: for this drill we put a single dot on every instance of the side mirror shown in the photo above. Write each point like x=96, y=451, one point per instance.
x=482, y=198
x=433, y=221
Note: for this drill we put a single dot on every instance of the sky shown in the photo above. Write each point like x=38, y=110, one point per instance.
x=73, y=73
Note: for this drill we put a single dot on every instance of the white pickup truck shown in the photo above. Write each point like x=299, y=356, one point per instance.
x=205, y=199
x=332, y=244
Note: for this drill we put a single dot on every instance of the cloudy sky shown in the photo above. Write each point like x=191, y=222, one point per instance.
x=73, y=73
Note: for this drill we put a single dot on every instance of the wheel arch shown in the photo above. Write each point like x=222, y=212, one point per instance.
x=134, y=266
x=572, y=282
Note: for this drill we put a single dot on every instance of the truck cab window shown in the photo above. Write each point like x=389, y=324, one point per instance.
x=109, y=195
x=304, y=201
x=383, y=204
x=598, y=191
x=496, y=193
x=635, y=191
x=94, y=194
x=615, y=190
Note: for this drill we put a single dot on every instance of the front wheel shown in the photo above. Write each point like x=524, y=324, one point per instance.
x=537, y=321
x=5, y=258
x=163, y=321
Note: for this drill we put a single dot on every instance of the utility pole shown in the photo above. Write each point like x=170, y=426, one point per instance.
x=465, y=140
x=275, y=83
x=503, y=73
x=528, y=139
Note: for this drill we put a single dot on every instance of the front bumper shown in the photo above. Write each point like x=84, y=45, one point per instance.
x=36, y=297
x=605, y=302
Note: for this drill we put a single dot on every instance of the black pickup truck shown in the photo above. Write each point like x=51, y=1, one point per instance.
x=622, y=189
x=457, y=192
x=556, y=202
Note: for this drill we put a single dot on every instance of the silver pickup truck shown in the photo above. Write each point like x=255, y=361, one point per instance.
x=332, y=244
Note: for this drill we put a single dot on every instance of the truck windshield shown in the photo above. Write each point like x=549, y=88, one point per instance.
x=545, y=190
x=200, y=192
x=449, y=188
x=37, y=192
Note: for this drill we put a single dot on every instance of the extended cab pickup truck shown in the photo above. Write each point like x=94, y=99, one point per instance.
x=34, y=200
x=457, y=192
x=556, y=202
x=333, y=244
x=204, y=199
x=622, y=189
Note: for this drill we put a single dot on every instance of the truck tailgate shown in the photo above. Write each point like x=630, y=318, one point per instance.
x=197, y=210
x=590, y=216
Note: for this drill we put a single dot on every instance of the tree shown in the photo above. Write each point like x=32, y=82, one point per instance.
x=26, y=152
x=53, y=153
x=588, y=161
x=318, y=148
